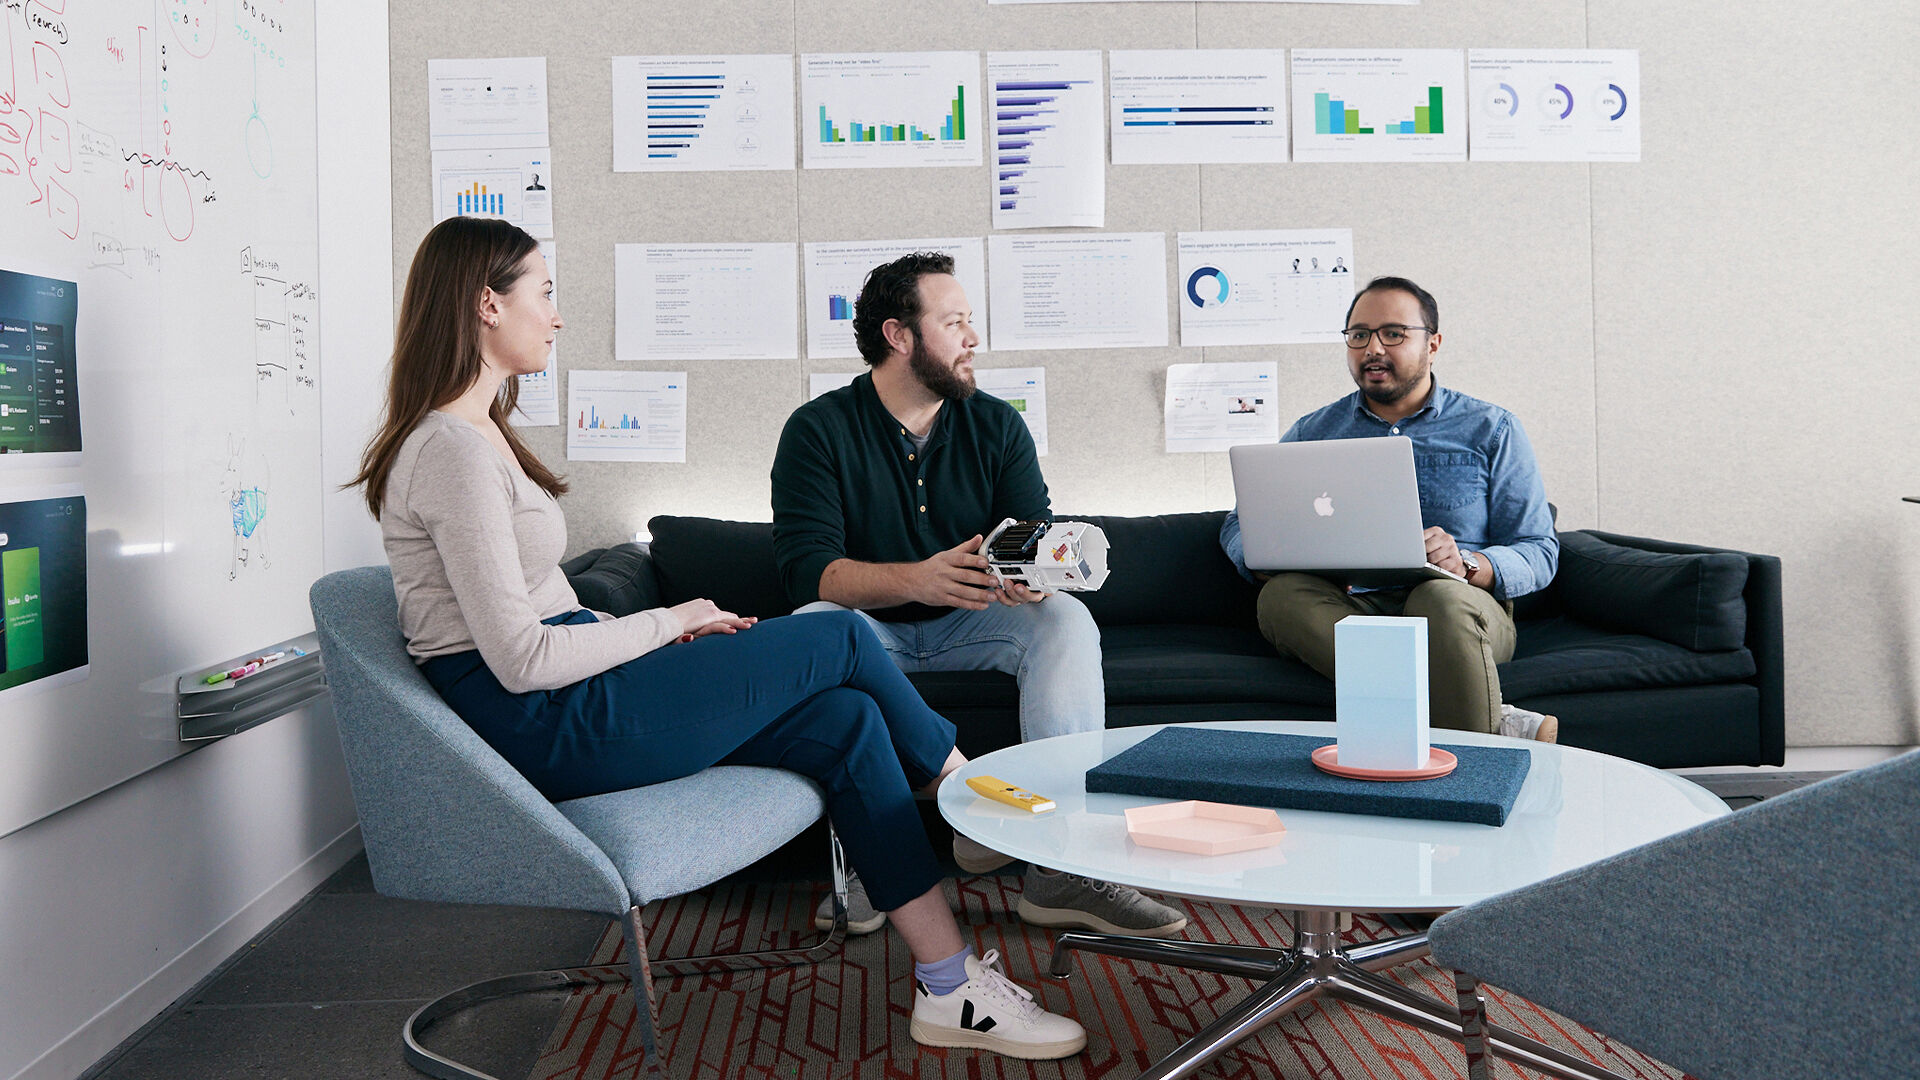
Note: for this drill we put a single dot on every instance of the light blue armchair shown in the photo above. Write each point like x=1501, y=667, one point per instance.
x=1781, y=942
x=444, y=818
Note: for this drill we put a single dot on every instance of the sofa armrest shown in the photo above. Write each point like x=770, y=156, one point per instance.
x=618, y=580
x=1765, y=631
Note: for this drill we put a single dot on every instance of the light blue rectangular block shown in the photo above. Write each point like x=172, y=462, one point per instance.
x=1380, y=691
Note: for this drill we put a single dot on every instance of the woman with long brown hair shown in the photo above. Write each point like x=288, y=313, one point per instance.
x=583, y=703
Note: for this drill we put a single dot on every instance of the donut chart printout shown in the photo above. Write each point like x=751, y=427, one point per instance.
x=1554, y=104
x=1267, y=287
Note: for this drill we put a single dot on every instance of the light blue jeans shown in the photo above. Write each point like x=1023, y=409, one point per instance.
x=1051, y=648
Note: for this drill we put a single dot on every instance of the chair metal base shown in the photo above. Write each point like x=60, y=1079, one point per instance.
x=1317, y=965
x=638, y=971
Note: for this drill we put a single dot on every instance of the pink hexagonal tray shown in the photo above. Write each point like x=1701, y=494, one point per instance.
x=1204, y=828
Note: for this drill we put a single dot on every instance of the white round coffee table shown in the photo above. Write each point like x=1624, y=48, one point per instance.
x=1576, y=807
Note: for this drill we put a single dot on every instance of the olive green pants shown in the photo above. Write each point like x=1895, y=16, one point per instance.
x=1468, y=632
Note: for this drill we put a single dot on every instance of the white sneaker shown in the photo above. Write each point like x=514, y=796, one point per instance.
x=1533, y=726
x=990, y=1012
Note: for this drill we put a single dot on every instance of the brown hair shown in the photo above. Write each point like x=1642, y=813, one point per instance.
x=436, y=348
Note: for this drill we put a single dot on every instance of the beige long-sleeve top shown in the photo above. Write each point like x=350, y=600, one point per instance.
x=475, y=548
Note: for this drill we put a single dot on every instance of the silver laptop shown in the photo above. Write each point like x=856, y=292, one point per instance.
x=1348, y=509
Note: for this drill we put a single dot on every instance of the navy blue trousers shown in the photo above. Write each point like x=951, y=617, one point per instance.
x=813, y=694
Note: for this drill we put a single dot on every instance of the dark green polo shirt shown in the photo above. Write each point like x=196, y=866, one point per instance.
x=848, y=483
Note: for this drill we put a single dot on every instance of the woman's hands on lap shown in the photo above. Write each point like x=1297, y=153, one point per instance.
x=698, y=618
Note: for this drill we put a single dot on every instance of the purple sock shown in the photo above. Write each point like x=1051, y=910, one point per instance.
x=943, y=977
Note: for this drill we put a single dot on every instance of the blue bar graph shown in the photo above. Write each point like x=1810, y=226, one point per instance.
x=677, y=108
x=838, y=309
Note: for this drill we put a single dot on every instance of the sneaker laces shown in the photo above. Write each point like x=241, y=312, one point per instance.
x=998, y=986
x=1112, y=890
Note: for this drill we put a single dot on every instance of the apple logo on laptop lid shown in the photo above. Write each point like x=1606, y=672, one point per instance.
x=1323, y=505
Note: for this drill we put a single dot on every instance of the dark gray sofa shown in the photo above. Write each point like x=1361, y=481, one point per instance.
x=1668, y=654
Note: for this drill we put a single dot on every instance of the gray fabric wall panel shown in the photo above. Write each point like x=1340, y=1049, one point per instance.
x=1666, y=330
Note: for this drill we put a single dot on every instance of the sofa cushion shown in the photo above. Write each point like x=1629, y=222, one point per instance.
x=727, y=562
x=1691, y=600
x=1188, y=663
x=1560, y=656
x=1168, y=569
x=616, y=580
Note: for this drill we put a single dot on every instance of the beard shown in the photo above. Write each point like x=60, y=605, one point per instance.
x=945, y=382
x=1392, y=393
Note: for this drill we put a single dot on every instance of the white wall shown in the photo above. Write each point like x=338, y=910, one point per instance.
x=111, y=909
x=1669, y=331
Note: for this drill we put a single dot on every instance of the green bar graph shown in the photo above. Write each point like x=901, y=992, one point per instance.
x=1422, y=120
x=959, y=113
x=1434, y=111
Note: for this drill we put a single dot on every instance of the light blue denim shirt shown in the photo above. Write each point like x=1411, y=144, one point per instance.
x=1478, y=481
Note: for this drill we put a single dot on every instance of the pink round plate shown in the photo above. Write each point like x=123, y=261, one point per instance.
x=1439, y=763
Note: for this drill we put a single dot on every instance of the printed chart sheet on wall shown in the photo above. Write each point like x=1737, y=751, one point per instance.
x=705, y=301
x=1198, y=106
x=1379, y=105
x=1269, y=287
x=1217, y=406
x=1024, y=388
x=1555, y=104
x=159, y=369
x=837, y=269
x=890, y=110
x=539, y=402
x=1049, y=146
x=626, y=415
x=479, y=104
x=1078, y=292
x=702, y=113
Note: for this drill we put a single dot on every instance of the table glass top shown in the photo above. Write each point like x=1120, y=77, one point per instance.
x=1577, y=806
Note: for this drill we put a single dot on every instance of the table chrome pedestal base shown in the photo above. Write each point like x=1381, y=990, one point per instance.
x=1317, y=965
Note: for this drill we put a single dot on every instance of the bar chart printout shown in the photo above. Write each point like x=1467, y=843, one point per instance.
x=702, y=113
x=836, y=270
x=626, y=415
x=1198, y=106
x=1049, y=144
x=1391, y=105
x=1555, y=104
x=890, y=110
x=513, y=184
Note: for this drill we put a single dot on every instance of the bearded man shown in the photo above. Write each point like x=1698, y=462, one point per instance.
x=882, y=493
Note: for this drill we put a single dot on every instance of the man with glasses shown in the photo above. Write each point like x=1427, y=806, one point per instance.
x=1481, y=499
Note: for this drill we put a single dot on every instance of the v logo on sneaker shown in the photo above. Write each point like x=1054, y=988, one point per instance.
x=966, y=1019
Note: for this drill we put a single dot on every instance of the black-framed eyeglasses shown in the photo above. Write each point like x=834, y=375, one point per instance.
x=1390, y=335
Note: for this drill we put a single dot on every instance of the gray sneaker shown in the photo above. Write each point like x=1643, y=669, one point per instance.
x=861, y=918
x=1071, y=902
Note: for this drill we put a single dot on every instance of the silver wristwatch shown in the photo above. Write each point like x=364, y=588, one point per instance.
x=1471, y=561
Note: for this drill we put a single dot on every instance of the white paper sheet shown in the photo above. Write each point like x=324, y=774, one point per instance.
x=539, y=402
x=1554, y=104
x=1173, y=106
x=702, y=113
x=514, y=184
x=890, y=110
x=1270, y=287
x=1049, y=144
x=1024, y=388
x=626, y=415
x=1377, y=105
x=1104, y=291
x=1215, y=406
x=837, y=269
x=705, y=301
x=479, y=104
x=827, y=382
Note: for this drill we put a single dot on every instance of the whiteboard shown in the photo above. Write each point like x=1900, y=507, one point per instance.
x=159, y=156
